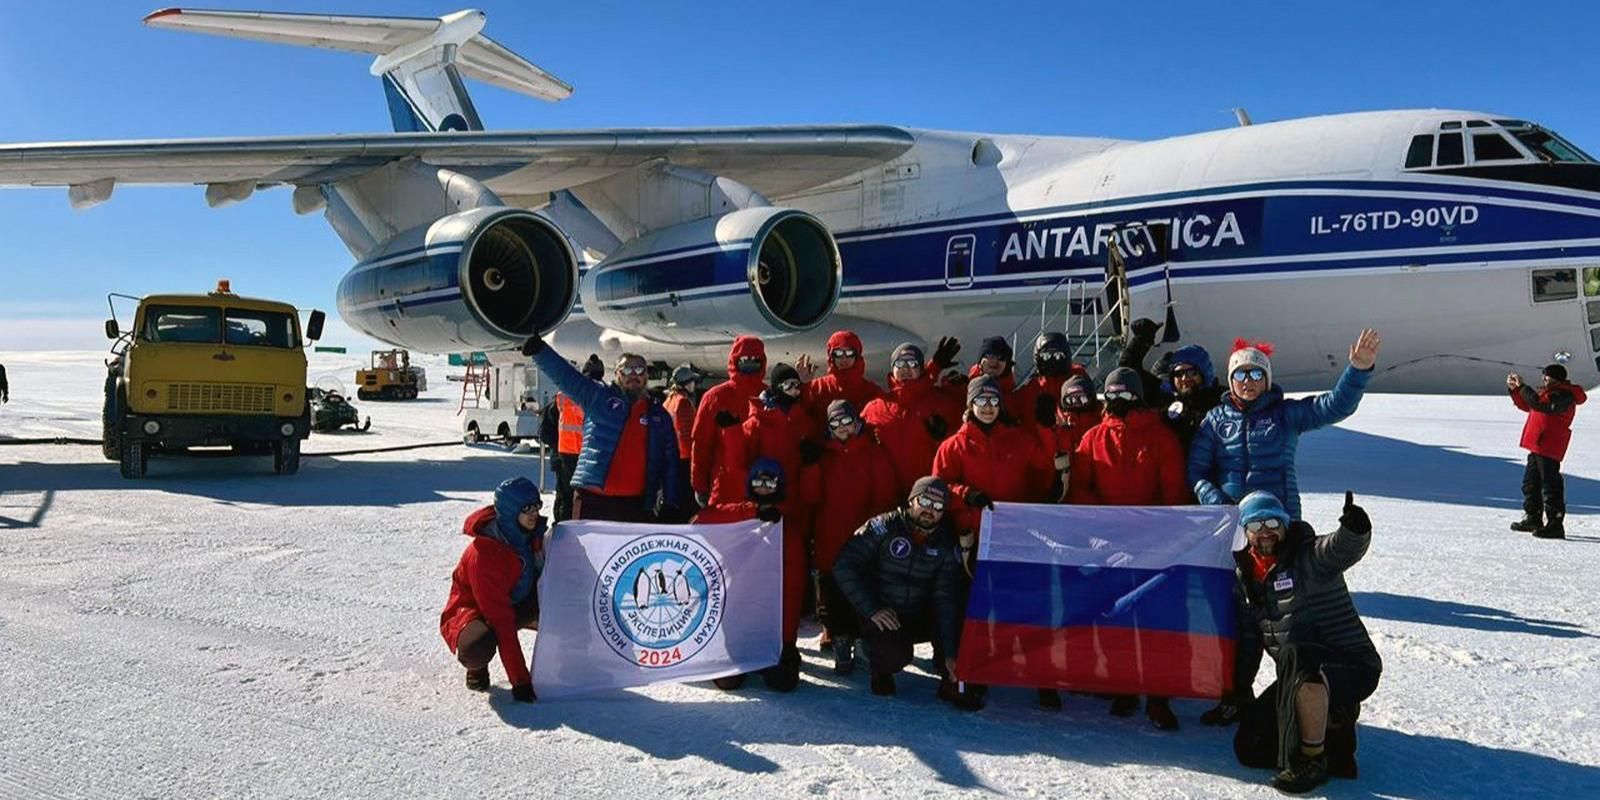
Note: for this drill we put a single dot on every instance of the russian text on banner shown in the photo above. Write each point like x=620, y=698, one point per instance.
x=1115, y=599
x=624, y=604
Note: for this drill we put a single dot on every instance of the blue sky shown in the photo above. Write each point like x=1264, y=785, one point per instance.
x=1131, y=70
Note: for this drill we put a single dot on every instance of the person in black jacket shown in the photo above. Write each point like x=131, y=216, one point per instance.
x=1184, y=385
x=902, y=573
x=1290, y=583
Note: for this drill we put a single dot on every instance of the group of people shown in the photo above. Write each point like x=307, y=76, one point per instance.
x=881, y=489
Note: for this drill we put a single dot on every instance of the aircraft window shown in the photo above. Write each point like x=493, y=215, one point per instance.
x=1477, y=123
x=1550, y=147
x=1512, y=123
x=1591, y=281
x=1493, y=147
x=182, y=325
x=1449, y=126
x=260, y=328
x=1420, y=154
x=1551, y=285
x=1451, y=150
x=1592, y=309
x=1594, y=339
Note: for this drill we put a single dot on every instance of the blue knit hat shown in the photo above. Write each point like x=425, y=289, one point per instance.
x=1197, y=357
x=1259, y=505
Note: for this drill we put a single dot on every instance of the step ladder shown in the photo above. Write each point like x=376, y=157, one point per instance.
x=472, y=383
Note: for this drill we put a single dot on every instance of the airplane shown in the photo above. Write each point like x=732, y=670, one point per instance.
x=1471, y=240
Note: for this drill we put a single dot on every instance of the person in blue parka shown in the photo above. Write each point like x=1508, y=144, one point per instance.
x=1247, y=443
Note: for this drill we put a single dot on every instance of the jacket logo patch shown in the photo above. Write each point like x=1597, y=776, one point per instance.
x=1284, y=583
x=1227, y=429
x=615, y=404
x=899, y=547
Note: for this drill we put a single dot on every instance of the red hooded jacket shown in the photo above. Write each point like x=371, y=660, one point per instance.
x=735, y=397
x=1072, y=425
x=726, y=512
x=847, y=384
x=853, y=483
x=898, y=419
x=1137, y=461
x=480, y=588
x=1548, y=430
x=1006, y=462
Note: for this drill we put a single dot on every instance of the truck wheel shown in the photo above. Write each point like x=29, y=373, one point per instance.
x=286, y=456
x=472, y=436
x=134, y=458
x=111, y=421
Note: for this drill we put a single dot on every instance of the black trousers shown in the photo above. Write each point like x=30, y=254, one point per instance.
x=1543, y=488
x=1268, y=731
x=564, y=466
x=889, y=652
x=833, y=610
x=477, y=645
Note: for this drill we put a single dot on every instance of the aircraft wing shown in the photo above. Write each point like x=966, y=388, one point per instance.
x=775, y=161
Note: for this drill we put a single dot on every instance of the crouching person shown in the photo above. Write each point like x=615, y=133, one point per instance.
x=494, y=589
x=1291, y=586
x=902, y=574
x=763, y=492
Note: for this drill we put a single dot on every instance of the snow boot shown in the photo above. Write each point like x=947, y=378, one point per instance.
x=844, y=655
x=1303, y=774
x=730, y=682
x=1528, y=524
x=1050, y=699
x=478, y=679
x=1159, y=711
x=1555, y=530
x=1124, y=705
x=786, y=675
x=969, y=698
x=883, y=684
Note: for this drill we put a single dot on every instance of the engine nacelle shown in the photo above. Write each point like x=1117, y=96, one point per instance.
x=478, y=280
x=762, y=271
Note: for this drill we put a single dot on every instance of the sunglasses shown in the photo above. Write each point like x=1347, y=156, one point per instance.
x=748, y=363
x=1076, y=400
x=844, y=352
x=986, y=401
x=532, y=508
x=1270, y=523
x=907, y=363
x=1185, y=372
x=841, y=422
x=1122, y=395
x=924, y=501
x=1249, y=374
x=632, y=371
x=1052, y=355
x=764, y=483
x=790, y=385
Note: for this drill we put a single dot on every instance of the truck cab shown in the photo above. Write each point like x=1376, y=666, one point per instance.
x=207, y=370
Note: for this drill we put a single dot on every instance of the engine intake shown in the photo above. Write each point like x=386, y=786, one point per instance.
x=482, y=279
x=761, y=271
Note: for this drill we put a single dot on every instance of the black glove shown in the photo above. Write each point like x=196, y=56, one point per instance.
x=936, y=427
x=769, y=514
x=944, y=355
x=523, y=693
x=1044, y=410
x=1145, y=328
x=1164, y=365
x=531, y=348
x=726, y=419
x=1354, y=518
x=978, y=498
x=810, y=452
x=1225, y=713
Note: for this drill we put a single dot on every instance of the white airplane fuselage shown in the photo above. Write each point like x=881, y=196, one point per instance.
x=1299, y=232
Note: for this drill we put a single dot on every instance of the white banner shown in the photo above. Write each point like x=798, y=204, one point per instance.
x=624, y=604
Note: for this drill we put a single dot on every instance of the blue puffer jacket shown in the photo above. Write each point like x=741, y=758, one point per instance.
x=605, y=411
x=1239, y=451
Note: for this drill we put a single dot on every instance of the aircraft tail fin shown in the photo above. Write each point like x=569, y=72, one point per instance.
x=421, y=60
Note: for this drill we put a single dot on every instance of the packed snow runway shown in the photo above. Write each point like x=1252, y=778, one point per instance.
x=214, y=630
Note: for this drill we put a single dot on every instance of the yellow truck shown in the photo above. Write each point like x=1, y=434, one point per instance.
x=207, y=370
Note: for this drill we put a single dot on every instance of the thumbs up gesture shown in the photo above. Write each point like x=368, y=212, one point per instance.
x=1354, y=518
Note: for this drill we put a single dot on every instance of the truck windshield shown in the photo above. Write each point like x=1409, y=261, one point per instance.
x=182, y=324
x=261, y=328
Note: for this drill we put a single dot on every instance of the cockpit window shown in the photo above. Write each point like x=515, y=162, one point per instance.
x=1449, y=126
x=1477, y=123
x=1549, y=147
x=1451, y=150
x=1493, y=147
x=1420, y=154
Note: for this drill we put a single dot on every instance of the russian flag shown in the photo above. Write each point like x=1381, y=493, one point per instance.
x=1113, y=599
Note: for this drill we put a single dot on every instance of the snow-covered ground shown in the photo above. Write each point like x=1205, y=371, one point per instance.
x=216, y=631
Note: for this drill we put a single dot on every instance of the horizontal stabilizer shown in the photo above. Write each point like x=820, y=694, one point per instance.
x=391, y=39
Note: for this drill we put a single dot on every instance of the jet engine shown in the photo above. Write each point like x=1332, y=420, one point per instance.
x=483, y=279
x=763, y=271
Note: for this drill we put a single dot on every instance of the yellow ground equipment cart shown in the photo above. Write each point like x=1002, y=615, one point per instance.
x=206, y=370
x=391, y=377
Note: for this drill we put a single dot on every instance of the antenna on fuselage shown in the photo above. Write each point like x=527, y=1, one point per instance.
x=1242, y=116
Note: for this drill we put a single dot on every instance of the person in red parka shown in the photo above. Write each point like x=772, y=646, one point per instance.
x=1545, y=436
x=1130, y=459
x=846, y=379
x=995, y=361
x=912, y=418
x=852, y=482
x=494, y=588
x=1052, y=366
x=724, y=406
x=764, y=491
x=1079, y=410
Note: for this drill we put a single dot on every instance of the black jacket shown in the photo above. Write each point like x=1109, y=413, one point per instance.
x=883, y=566
x=1303, y=600
x=1183, y=414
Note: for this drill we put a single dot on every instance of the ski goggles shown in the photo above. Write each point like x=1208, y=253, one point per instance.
x=929, y=502
x=634, y=371
x=533, y=507
x=767, y=482
x=841, y=422
x=748, y=364
x=1119, y=395
x=1243, y=374
x=790, y=385
x=1076, y=400
x=1259, y=525
x=1051, y=356
x=844, y=352
x=986, y=401
x=1188, y=373
x=907, y=363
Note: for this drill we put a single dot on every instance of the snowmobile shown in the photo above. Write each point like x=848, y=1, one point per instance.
x=331, y=412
